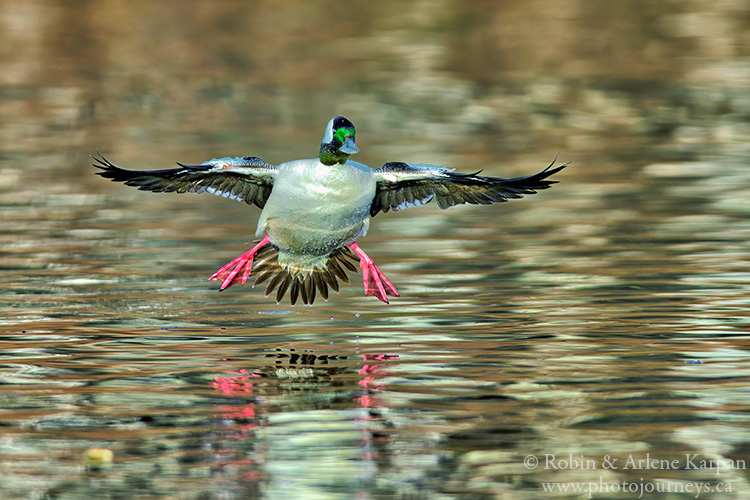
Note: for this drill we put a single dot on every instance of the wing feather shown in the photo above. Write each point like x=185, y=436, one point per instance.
x=402, y=185
x=247, y=179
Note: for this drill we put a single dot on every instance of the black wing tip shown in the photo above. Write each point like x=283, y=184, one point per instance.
x=109, y=169
x=540, y=178
x=101, y=162
x=549, y=171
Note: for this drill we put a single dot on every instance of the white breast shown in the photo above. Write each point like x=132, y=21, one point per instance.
x=316, y=208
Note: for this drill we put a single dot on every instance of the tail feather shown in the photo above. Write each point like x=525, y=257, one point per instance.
x=334, y=269
x=320, y=284
x=345, y=254
x=304, y=284
x=283, y=287
x=330, y=279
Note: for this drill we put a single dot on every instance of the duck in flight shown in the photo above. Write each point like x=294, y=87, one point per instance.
x=314, y=210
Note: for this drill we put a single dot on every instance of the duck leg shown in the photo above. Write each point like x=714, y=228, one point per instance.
x=238, y=269
x=376, y=284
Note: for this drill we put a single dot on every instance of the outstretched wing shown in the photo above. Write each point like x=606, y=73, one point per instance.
x=403, y=185
x=247, y=179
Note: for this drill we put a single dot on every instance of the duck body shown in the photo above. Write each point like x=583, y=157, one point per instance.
x=314, y=210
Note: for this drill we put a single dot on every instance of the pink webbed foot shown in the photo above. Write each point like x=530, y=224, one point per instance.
x=376, y=284
x=238, y=269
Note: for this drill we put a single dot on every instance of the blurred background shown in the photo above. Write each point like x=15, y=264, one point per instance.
x=604, y=316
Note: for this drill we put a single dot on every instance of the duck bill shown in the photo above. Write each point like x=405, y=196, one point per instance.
x=349, y=147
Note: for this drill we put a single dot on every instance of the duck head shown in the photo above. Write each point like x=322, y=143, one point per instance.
x=338, y=142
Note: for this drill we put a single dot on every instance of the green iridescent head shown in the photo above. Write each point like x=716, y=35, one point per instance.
x=338, y=141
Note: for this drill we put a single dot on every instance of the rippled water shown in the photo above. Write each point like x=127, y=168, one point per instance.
x=603, y=319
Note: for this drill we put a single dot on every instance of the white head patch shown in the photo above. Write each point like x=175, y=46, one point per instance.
x=328, y=136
